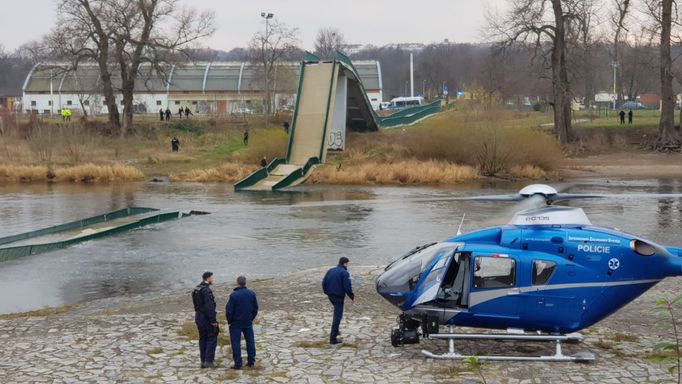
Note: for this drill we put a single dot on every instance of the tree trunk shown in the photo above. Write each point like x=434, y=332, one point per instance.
x=127, y=128
x=666, y=127
x=560, y=84
x=109, y=95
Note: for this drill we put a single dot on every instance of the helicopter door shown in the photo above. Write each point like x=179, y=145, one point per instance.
x=430, y=285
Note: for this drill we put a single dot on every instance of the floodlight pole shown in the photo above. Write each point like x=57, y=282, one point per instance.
x=411, y=74
x=267, y=16
x=615, y=65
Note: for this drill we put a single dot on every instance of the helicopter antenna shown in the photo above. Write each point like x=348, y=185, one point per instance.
x=459, y=229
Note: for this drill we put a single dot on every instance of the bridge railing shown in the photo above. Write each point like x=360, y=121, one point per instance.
x=410, y=115
x=299, y=173
x=258, y=175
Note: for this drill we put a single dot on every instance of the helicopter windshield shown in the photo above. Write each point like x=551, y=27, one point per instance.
x=403, y=275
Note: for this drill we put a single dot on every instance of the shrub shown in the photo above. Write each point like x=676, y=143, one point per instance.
x=489, y=148
x=270, y=143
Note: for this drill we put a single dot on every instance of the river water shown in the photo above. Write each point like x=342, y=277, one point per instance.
x=265, y=235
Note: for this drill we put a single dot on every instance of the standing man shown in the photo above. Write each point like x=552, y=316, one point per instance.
x=175, y=144
x=187, y=112
x=241, y=310
x=336, y=285
x=168, y=114
x=161, y=114
x=205, y=318
x=246, y=137
x=622, y=116
x=286, y=127
x=630, y=116
x=180, y=112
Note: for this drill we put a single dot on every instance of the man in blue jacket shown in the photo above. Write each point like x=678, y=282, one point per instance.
x=241, y=310
x=336, y=285
x=205, y=318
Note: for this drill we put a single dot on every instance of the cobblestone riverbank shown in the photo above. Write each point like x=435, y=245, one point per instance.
x=145, y=339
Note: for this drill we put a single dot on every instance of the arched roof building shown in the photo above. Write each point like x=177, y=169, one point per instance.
x=217, y=87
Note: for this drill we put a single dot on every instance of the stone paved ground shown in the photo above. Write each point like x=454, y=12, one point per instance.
x=144, y=339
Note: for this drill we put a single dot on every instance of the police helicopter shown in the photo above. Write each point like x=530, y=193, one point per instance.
x=543, y=277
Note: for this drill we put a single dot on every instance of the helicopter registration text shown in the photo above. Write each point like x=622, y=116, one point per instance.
x=591, y=248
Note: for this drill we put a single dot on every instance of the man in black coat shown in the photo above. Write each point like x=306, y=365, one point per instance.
x=205, y=319
x=241, y=310
x=336, y=285
x=622, y=116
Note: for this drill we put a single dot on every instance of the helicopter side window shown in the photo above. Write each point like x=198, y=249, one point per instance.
x=494, y=272
x=542, y=271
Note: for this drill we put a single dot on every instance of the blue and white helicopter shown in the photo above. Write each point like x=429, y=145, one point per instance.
x=545, y=276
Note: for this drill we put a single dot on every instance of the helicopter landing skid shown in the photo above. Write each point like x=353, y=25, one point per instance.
x=557, y=356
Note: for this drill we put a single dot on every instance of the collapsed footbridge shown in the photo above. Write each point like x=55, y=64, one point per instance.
x=331, y=99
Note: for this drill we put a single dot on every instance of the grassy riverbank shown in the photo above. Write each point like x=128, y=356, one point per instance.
x=450, y=148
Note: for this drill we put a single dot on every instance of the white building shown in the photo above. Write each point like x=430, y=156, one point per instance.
x=206, y=88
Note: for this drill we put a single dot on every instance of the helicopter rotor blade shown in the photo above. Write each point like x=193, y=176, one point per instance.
x=583, y=196
x=491, y=198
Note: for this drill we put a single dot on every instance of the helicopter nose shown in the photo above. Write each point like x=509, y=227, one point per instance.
x=388, y=292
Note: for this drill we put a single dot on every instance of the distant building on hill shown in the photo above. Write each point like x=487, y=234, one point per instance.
x=218, y=88
x=10, y=99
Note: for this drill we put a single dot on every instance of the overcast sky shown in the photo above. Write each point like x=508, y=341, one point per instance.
x=362, y=21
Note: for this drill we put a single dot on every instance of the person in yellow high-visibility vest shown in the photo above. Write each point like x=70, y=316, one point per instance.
x=62, y=112
x=66, y=114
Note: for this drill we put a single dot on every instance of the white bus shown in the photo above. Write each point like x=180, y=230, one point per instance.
x=405, y=102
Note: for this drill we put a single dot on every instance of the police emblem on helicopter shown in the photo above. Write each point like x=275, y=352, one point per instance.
x=614, y=264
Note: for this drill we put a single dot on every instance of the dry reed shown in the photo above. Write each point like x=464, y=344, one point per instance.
x=226, y=173
x=86, y=173
x=530, y=172
x=407, y=172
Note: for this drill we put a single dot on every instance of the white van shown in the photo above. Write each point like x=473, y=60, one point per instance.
x=405, y=102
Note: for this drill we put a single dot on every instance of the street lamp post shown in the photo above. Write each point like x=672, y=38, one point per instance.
x=267, y=16
x=615, y=66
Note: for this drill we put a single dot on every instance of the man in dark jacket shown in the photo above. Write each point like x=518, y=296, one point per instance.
x=622, y=116
x=241, y=310
x=205, y=318
x=336, y=285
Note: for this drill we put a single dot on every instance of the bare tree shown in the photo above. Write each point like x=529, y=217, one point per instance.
x=661, y=12
x=121, y=36
x=581, y=45
x=543, y=23
x=268, y=49
x=619, y=14
x=638, y=59
x=327, y=42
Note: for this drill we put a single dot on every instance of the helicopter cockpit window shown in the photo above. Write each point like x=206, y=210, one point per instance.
x=494, y=272
x=403, y=275
x=542, y=271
